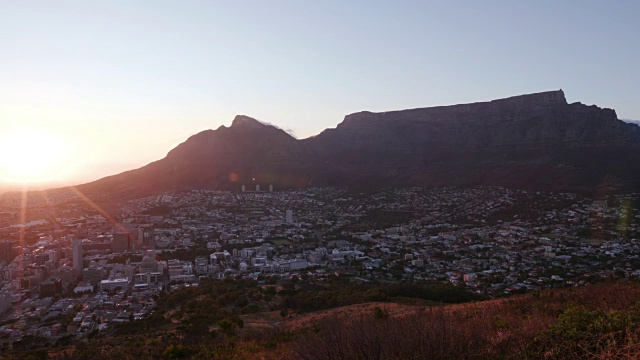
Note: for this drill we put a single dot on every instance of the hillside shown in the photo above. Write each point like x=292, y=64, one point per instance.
x=534, y=141
x=596, y=321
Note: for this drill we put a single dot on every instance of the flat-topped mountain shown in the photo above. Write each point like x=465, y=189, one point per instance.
x=536, y=141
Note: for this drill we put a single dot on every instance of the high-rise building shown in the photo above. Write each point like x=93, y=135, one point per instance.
x=149, y=240
x=40, y=259
x=77, y=258
x=6, y=251
x=270, y=188
x=244, y=188
x=141, y=236
x=258, y=188
x=51, y=287
x=93, y=275
x=148, y=264
x=53, y=255
x=289, y=216
x=121, y=242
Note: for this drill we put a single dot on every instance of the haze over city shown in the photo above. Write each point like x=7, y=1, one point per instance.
x=90, y=89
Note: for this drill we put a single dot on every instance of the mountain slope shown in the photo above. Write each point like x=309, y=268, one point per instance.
x=536, y=141
x=210, y=159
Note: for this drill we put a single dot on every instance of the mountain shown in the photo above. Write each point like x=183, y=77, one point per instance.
x=536, y=141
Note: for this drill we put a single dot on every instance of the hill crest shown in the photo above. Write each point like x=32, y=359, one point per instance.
x=535, y=141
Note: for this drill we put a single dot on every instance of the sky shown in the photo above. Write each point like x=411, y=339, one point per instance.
x=109, y=86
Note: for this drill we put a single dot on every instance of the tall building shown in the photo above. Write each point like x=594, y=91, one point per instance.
x=93, y=275
x=77, y=258
x=148, y=264
x=141, y=237
x=289, y=216
x=149, y=240
x=121, y=242
x=270, y=188
x=40, y=259
x=6, y=251
x=258, y=188
x=53, y=255
x=244, y=188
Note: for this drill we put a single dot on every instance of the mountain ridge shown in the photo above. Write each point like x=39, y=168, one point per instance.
x=533, y=140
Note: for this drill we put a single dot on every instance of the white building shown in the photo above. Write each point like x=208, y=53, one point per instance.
x=149, y=278
x=108, y=285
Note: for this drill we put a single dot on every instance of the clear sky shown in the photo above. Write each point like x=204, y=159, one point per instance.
x=109, y=86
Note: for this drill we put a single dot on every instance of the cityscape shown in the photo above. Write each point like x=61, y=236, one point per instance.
x=319, y=180
x=78, y=270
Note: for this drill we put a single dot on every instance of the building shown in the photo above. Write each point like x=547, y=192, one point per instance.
x=180, y=270
x=121, y=242
x=218, y=257
x=65, y=274
x=83, y=288
x=53, y=255
x=149, y=238
x=110, y=285
x=5, y=302
x=285, y=266
x=6, y=251
x=149, y=264
x=77, y=258
x=93, y=275
x=51, y=287
x=41, y=259
x=201, y=265
x=141, y=237
x=289, y=216
x=148, y=278
x=96, y=248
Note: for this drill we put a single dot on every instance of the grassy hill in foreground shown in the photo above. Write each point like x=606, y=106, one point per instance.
x=244, y=320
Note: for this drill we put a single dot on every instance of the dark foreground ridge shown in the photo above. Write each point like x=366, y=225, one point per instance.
x=535, y=141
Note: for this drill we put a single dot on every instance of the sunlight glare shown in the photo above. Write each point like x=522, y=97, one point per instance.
x=31, y=157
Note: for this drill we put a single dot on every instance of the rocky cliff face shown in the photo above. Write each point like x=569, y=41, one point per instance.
x=536, y=120
x=535, y=141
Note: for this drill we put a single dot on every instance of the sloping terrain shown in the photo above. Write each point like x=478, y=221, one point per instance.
x=536, y=141
x=594, y=322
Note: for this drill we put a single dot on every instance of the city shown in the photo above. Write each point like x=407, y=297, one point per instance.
x=73, y=266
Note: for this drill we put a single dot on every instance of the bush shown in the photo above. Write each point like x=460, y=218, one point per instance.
x=176, y=352
x=582, y=332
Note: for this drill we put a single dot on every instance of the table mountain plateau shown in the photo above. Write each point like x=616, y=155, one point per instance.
x=535, y=141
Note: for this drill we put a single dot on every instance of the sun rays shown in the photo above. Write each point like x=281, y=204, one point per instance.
x=31, y=156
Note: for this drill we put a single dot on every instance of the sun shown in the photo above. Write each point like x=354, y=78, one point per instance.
x=31, y=157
